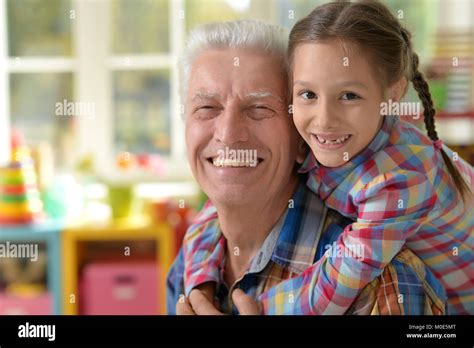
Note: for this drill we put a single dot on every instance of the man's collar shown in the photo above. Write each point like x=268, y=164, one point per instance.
x=294, y=239
x=261, y=259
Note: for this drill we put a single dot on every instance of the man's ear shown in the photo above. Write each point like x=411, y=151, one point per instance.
x=302, y=151
x=398, y=89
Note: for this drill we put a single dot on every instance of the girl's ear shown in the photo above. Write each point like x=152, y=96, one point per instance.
x=398, y=89
x=302, y=151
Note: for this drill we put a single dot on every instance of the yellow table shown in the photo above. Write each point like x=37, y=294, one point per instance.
x=162, y=234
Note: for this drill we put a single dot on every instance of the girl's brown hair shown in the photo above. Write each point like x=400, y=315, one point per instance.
x=373, y=28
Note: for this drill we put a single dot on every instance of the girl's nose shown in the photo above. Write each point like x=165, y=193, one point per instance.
x=325, y=118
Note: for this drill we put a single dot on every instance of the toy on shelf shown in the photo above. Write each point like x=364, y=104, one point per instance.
x=18, y=271
x=20, y=200
x=450, y=71
x=125, y=205
x=123, y=202
x=152, y=163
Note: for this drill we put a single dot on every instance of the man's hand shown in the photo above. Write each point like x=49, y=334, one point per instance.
x=245, y=304
x=183, y=307
x=199, y=303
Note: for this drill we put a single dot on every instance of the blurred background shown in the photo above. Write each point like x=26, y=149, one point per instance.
x=93, y=170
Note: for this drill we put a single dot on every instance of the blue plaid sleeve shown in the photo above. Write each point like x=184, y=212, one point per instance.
x=174, y=283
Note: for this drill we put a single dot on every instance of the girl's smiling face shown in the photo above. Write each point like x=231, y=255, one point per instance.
x=336, y=100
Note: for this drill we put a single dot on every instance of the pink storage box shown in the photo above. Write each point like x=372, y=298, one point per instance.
x=22, y=305
x=119, y=288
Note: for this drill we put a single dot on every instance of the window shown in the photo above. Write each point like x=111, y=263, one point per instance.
x=200, y=12
x=40, y=70
x=36, y=117
x=142, y=111
x=140, y=26
x=142, y=108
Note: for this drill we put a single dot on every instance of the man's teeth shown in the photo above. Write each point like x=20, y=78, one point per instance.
x=219, y=162
x=335, y=141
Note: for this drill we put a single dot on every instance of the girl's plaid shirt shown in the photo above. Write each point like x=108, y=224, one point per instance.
x=298, y=240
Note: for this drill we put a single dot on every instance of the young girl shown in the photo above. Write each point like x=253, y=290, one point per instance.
x=398, y=185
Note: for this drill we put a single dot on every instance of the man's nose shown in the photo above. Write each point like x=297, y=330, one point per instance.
x=231, y=126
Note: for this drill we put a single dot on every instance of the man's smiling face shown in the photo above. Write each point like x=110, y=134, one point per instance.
x=236, y=100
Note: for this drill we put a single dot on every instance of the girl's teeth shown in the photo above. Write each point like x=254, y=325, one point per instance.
x=337, y=141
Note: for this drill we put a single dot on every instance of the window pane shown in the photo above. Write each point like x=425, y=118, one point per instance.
x=39, y=27
x=292, y=11
x=420, y=18
x=33, y=101
x=142, y=111
x=205, y=11
x=140, y=26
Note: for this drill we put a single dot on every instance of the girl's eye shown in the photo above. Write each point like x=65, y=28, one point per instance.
x=350, y=96
x=307, y=95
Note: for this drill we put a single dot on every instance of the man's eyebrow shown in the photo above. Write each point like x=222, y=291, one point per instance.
x=263, y=94
x=251, y=95
x=259, y=95
x=204, y=95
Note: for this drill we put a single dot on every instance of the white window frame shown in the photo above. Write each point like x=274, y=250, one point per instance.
x=92, y=65
x=10, y=65
x=93, y=84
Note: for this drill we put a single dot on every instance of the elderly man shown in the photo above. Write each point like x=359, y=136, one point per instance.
x=270, y=227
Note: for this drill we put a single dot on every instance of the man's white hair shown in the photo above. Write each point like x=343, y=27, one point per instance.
x=245, y=34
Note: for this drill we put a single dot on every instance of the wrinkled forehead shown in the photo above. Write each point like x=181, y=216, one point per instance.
x=246, y=74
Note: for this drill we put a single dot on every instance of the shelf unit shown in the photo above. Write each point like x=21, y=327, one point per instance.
x=49, y=233
x=72, y=256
